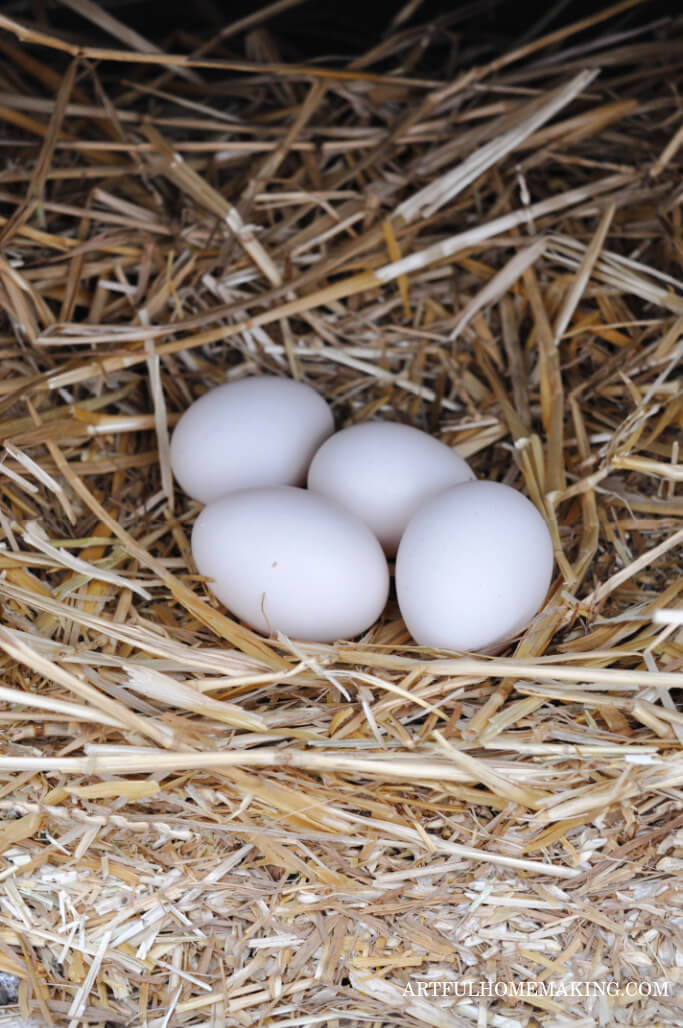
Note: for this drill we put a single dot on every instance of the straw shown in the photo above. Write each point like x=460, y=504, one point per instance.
x=477, y=236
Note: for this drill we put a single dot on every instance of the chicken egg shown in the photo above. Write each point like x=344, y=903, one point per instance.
x=383, y=471
x=287, y=560
x=473, y=567
x=256, y=431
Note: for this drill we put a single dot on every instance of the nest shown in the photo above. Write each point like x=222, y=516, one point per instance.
x=201, y=826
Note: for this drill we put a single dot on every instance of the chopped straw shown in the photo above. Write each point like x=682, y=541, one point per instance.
x=200, y=826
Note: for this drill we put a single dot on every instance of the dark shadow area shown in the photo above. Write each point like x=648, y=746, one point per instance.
x=331, y=29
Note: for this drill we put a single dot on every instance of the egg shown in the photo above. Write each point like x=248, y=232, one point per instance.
x=473, y=567
x=287, y=560
x=256, y=431
x=382, y=472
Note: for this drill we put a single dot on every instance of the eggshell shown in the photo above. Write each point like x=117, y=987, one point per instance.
x=256, y=431
x=383, y=471
x=288, y=560
x=473, y=567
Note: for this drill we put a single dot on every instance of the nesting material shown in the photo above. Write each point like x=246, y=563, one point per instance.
x=202, y=826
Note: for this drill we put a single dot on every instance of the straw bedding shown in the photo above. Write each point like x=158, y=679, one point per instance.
x=204, y=827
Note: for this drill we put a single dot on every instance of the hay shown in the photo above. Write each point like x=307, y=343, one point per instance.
x=201, y=827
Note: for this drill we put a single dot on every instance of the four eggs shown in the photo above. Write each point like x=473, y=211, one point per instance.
x=473, y=558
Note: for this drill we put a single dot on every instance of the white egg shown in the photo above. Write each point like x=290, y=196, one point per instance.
x=288, y=560
x=473, y=568
x=256, y=431
x=383, y=471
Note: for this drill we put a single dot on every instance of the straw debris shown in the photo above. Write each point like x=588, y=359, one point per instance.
x=202, y=827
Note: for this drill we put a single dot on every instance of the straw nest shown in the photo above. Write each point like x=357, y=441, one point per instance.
x=201, y=826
